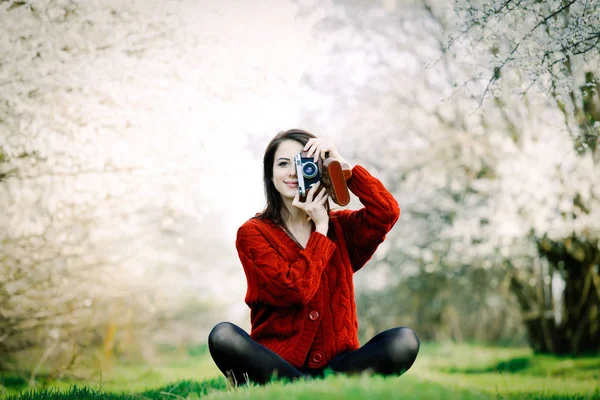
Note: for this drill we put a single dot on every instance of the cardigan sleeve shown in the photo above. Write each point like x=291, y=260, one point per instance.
x=365, y=229
x=274, y=280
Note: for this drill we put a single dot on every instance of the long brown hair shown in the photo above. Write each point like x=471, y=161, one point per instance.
x=275, y=208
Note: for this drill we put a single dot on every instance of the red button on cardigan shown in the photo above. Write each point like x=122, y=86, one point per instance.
x=317, y=357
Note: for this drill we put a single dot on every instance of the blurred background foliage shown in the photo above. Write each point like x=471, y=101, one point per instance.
x=131, y=137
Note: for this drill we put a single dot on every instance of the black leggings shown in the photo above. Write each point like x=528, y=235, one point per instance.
x=391, y=352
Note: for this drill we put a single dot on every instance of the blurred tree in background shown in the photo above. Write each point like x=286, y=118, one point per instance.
x=554, y=47
x=103, y=217
x=497, y=190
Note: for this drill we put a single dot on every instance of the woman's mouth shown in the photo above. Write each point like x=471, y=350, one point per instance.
x=292, y=184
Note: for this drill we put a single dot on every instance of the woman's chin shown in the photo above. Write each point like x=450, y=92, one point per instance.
x=289, y=195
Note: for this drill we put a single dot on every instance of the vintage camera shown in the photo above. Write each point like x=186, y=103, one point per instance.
x=330, y=172
x=308, y=173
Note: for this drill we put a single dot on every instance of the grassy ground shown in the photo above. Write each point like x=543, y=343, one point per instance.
x=441, y=372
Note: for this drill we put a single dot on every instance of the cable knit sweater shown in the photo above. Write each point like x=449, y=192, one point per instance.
x=302, y=299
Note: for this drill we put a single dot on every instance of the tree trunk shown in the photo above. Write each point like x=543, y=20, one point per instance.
x=577, y=331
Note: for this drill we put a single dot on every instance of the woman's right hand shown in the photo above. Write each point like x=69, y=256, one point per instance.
x=314, y=206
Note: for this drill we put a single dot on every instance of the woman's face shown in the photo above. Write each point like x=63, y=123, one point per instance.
x=284, y=170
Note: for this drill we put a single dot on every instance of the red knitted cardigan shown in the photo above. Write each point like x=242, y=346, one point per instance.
x=302, y=300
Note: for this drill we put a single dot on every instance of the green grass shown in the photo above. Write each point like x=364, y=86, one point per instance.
x=442, y=371
x=509, y=371
x=171, y=368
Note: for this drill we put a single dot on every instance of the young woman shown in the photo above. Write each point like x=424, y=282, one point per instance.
x=299, y=259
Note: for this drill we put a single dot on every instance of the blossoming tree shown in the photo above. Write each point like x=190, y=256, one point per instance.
x=487, y=159
x=116, y=145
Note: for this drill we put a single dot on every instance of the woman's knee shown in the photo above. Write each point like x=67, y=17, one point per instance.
x=404, y=345
x=221, y=335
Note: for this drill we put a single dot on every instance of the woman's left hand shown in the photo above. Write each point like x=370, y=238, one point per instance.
x=318, y=147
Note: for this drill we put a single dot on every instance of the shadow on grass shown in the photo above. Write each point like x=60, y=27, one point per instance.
x=13, y=382
x=537, y=366
x=512, y=365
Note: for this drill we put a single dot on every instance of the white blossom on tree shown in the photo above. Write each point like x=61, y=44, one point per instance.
x=538, y=38
x=554, y=45
x=124, y=167
x=498, y=183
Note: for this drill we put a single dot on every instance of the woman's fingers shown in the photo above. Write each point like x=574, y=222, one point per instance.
x=320, y=195
x=323, y=200
x=318, y=200
x=312, y=191
x=296, y=202
x=314, y=149
x=315, y=199
x=318, y=147
x=308, y=146
x=317, y=151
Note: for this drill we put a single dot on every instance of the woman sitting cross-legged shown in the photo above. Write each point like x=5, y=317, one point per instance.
x=299, y=259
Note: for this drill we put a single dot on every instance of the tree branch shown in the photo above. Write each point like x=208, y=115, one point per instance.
x=589, y=48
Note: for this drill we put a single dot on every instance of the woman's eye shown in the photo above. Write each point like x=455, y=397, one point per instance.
x=283, y=163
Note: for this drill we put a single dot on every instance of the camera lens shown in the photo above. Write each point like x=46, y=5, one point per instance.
x=309, y=170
